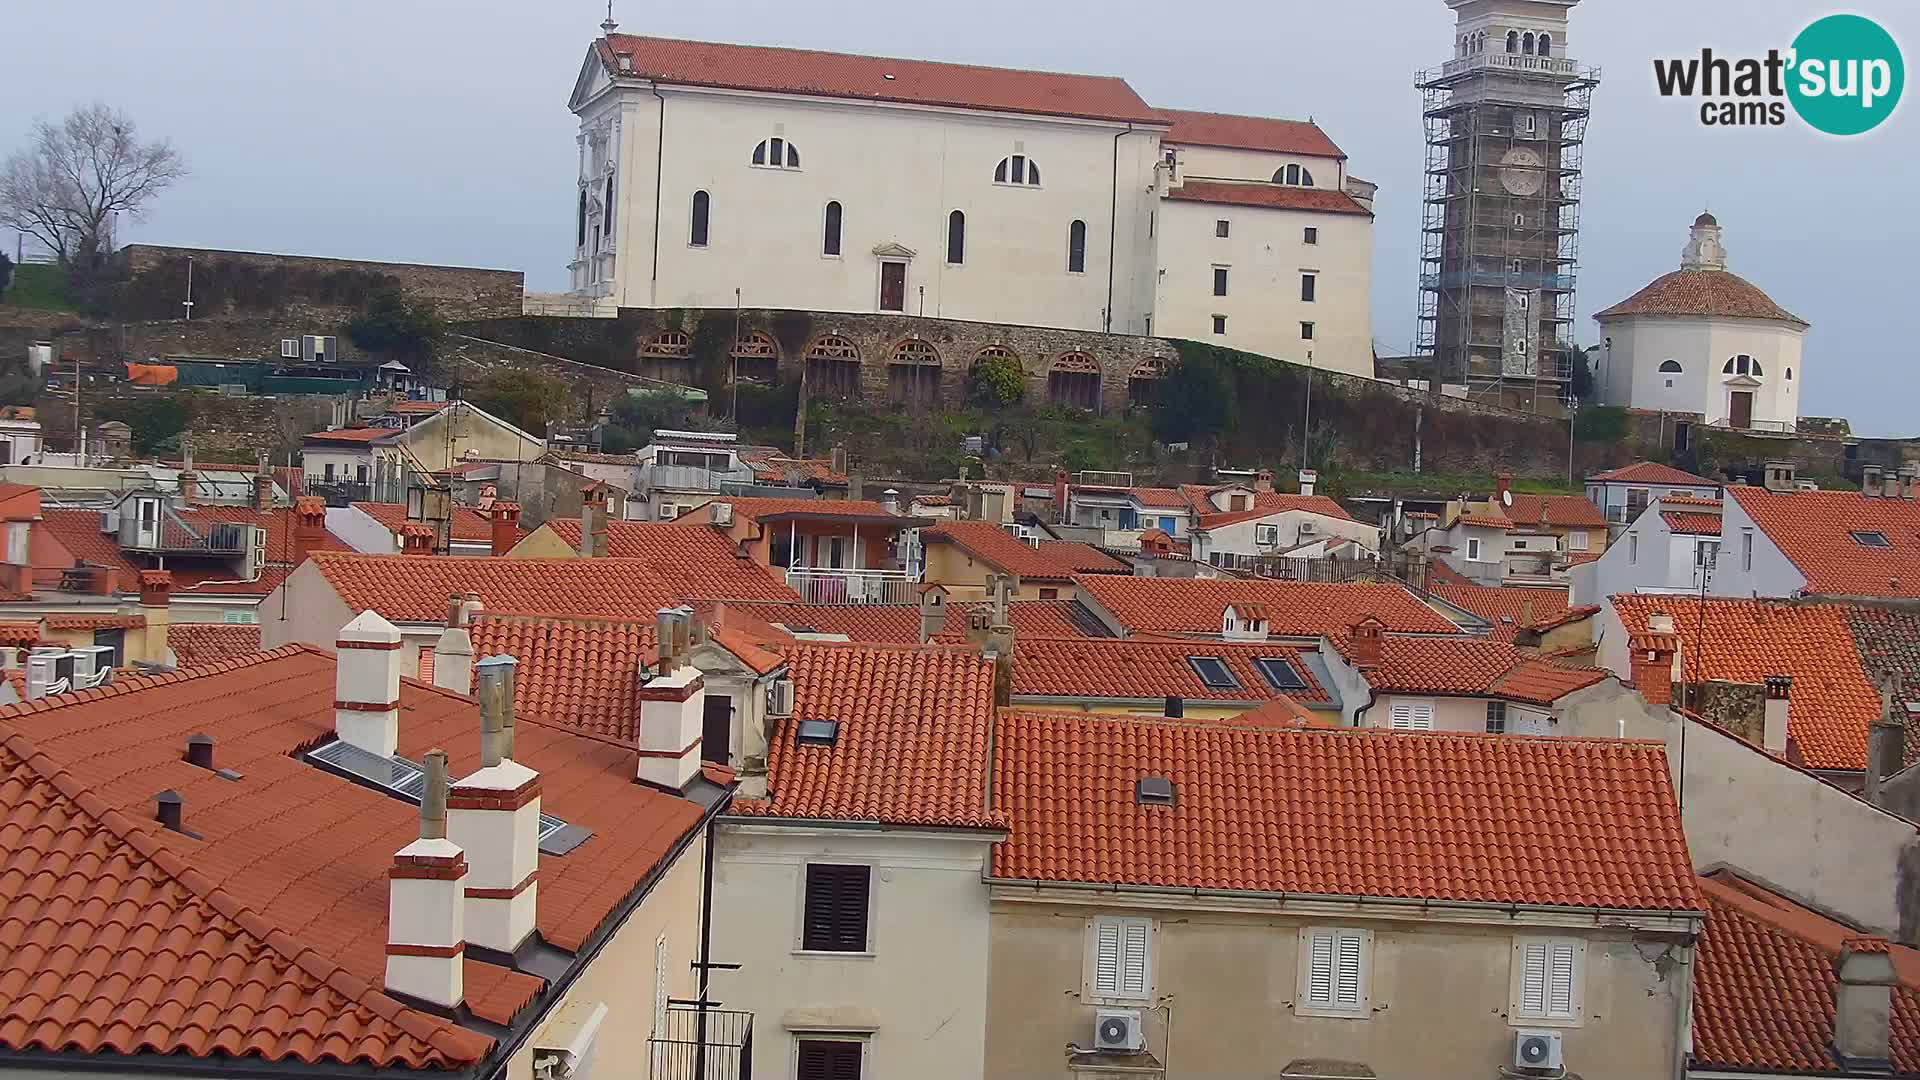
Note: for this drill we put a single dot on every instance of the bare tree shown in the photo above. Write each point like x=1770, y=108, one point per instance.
x=65, y=187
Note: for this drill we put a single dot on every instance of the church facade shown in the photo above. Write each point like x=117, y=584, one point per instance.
x=1705, y=340
x=712, y=174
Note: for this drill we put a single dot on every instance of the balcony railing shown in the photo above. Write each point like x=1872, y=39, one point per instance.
x=1502, y=61
x=818, y=585
x=690, y=1046
x=691, y=477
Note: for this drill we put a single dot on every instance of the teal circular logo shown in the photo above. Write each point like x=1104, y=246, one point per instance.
x=1846, y=76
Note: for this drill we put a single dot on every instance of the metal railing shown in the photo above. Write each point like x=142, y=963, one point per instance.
x=1505, y=61
x=1777, y=427
x=819, y=585
x=1294, y=568
x=675, y=1050
x=691, y=477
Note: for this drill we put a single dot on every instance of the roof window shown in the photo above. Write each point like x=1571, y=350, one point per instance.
x=1213, y=672
x=1154, y=791
x=1279, y=674
x=1870, y=539
x=405, y=780
x=817, y=732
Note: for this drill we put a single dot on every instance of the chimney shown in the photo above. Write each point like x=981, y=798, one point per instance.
x=999, y=646
x=1773, y=726
x=1502, y=487
x=1308, y=478
x=1909, y=477
x=453, y=653
x=999, y=590
x=200, y=751
x=366, y=695
x=1653, y=658
x=494, y=815
x=933, y=613
x=1526, y=611
x=1779, y=476
x=672, y=711
x=1870, y=485
x=416, y=539
x=505, y=518
x=1176, y=707
x=262, y=485
x=426, y=904
x=156, y=591
x=189, y=486
x=170, y=811
x=593, y=524
x=1061, y=490
x=1365, y=644
x=309, y=526
x=890, y=501
x=186, y=451
x=1863, y=1005
x=837, y=461
x=1886, y=738
x=856, y=487
x=1263, y=481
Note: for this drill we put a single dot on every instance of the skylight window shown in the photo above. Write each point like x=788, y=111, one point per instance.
x=1279, y=674
x=1871, y=539
x=1213, y=672
x=406, y=781
x=1154, y=791
x=817, y=732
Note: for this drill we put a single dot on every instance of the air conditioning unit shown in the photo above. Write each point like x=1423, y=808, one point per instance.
x=289, y=348
x=1306, y=528
x=1118, y=1029
x=565, y=1048
x=721, y=514
x=780, y=698
x=110, y=521
x=1537, y=1050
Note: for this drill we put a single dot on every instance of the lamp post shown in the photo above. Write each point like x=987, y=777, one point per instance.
x=189, y=300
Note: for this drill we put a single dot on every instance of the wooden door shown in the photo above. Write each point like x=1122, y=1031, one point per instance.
x=893, y=286
x=716, y=729
x=1740, y=409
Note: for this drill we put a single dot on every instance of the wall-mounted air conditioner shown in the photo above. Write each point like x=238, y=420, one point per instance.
x=780, y=698
x=1537, y=1050
x=1118, y=1029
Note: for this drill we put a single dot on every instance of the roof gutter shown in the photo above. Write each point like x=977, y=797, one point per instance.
x=107, y=1065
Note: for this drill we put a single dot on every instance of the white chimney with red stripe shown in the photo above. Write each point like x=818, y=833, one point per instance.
x=494, y=816
x=366, y=695
x=426, y=904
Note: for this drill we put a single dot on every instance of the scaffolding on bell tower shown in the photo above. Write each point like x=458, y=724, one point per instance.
x=1500, y=227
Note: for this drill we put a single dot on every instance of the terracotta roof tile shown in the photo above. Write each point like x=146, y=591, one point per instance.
x=1268, y=503
x=414, y=589
x=771, y=467
x=874, y=78
x=756, y=508
x=1702, y=292
x=1652, y=472
x=195, y=644
x=1509, y=609
x=1889, y=638
x=1692, y=524
x=1195, y=605
x=1267, y=196
x=1283, y=712
x=19, y=634
x=468, y=524
x=1813, y=529
x=1563, y=511
x=1831, y=702
x=1471, y=667
x=1000, y=549
x=1135, y=669
x=911, y=748
x=354, y=435
x=900, y=625
x=701, y=563
x=78, y=533
x=1763, y=986
x=1082, y=558
x=95, y=622
x=303, y=854
x=1340, y=813
x=1485, y=519
x=1249, y=133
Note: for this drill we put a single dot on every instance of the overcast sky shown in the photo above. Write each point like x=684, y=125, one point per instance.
x=436, y=131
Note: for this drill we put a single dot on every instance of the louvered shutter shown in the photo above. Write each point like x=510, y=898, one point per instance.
x=1560, y=979
x=1402, y=716
x=1320, y=965
x=1346, y=982
x=836, y=909
x=1533, y=978
x=821, y=1059
x=1106, y=956
x=1133, y=957
x=426, y=663
x=1422, y=715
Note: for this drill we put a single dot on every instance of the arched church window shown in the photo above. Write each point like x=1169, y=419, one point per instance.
x=956, y=238
x=1546, y=44
x=776, y=153
x=1513, y=41
x=697, y=236
x=1526, y=44
x=1017, y=169
x=1742, y=364
x=1670, y=367
x=606, y=220
x=1077, y=247
x=582, y=241
x=1293, y=176
x=830, y=244
x=1789, y=374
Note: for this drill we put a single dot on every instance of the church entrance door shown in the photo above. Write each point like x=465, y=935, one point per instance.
x=1740, y=409
x=893, y=286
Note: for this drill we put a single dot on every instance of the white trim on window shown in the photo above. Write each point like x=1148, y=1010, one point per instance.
x=1411, y=714
x=1120, y=958
x=1473, y=549
x=1336, y=968
x=1547, y=982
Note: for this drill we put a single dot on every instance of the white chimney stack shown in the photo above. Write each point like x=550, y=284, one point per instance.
x=1863, y=984
x=366, y=694
x=1308, y=478
x=494, y=815
x=453, y=653
x=426, y=904
x=1773, y=737
x=672, y=711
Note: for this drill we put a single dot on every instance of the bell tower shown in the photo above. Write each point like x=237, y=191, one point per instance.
x=1506, y=122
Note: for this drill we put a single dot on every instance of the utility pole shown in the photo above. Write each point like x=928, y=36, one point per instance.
x=1573, y=406
x=189, y=300
x=79, y=441
x=1306, y=420
x=733, y=361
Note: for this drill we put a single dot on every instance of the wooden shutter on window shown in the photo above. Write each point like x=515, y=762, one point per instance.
x=1533, y=978
x=1560, y=978
x=1320, y=970
x=1346, y=971
x=1133, y=957
x=836, y=909
x=1335, y=963
x=824, y=1059
x=1411, y=716
x=1121, y=960
x=1106, y=956
x=426, y=663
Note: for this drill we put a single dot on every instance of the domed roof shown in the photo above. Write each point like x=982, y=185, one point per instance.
x=1703, y=292
x=1705, y=219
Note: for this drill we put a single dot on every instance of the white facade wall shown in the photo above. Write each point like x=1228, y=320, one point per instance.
x=1767, y=573
x=918, y=997
x=1647, y=557
x=1232, y=163
x=358, y=530
x=347, y=461
x=1702, y=346
x=897, y=172
x=1239, y=538
x=1611, y=495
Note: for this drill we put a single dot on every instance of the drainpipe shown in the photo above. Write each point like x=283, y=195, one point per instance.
x=706, y=937
x=1113, y=220
x=659, y=151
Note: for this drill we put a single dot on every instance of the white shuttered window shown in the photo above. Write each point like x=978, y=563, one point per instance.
x=1547, y=979
x=1410, y=714
x=1335, y=964
x=1122, y=958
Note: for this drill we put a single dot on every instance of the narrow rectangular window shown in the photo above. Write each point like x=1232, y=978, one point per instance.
x=830, y=244
x=1306, y=331
x=835, y=919
x=1122, y=960
x=697, y=235
x=1077, y=247
x=956, y=238
x=1334, y=966
x=1219, y=324
x=1746, y=550
x=1473, y=549
x=828, y=1059
x=1496, y=718
x=1311, y=235
x=1220, y=227
x=1219, y=281
x=1633, y=550
x=1307, y=283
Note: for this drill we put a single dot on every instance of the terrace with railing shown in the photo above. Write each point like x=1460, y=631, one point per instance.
x=691, y=1043
x=822, y=585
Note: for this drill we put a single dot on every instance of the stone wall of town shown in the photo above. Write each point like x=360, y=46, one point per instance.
x=229, y=282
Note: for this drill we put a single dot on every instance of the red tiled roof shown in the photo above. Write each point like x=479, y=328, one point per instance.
x=911, y=748
x=416, y=408
x=1763, y=986
x=1283, y=712
x=95, y=622
x=1831, y=702
x=579, y=673
x=1691, y=524
x=1506, y=608
x=414, y=588
x=861, y=510
x=1268, y=503
x=199, y=644
x=1249, y=133
x=1813, y=529
x=1082, y=558
x=1134, y=669
x=1652, y=472
x=468, y=524
x=1473, y=667
x=1575, y=558
x=1000, y=549
x=874, y=78
x=354, y=435
x=78, y=533
x=1267, y=196
x=701, y=563
x=1687, y=502
x=1340, y=813
x=771, y=467
x=900, y=625
x=1563, y=511
x=1484, y=520
x=19, y=634
x=1155, y=497
x=1195, y=605
x=1702, y=292
x=116, y=943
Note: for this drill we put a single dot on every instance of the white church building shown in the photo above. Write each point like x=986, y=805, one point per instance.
x=711, y=174
x=1704, y=340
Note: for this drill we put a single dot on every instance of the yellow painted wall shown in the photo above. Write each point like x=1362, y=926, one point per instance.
x=966, y=577
x=543, y=543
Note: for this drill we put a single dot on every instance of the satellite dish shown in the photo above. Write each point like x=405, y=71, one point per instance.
x=1506, y=498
